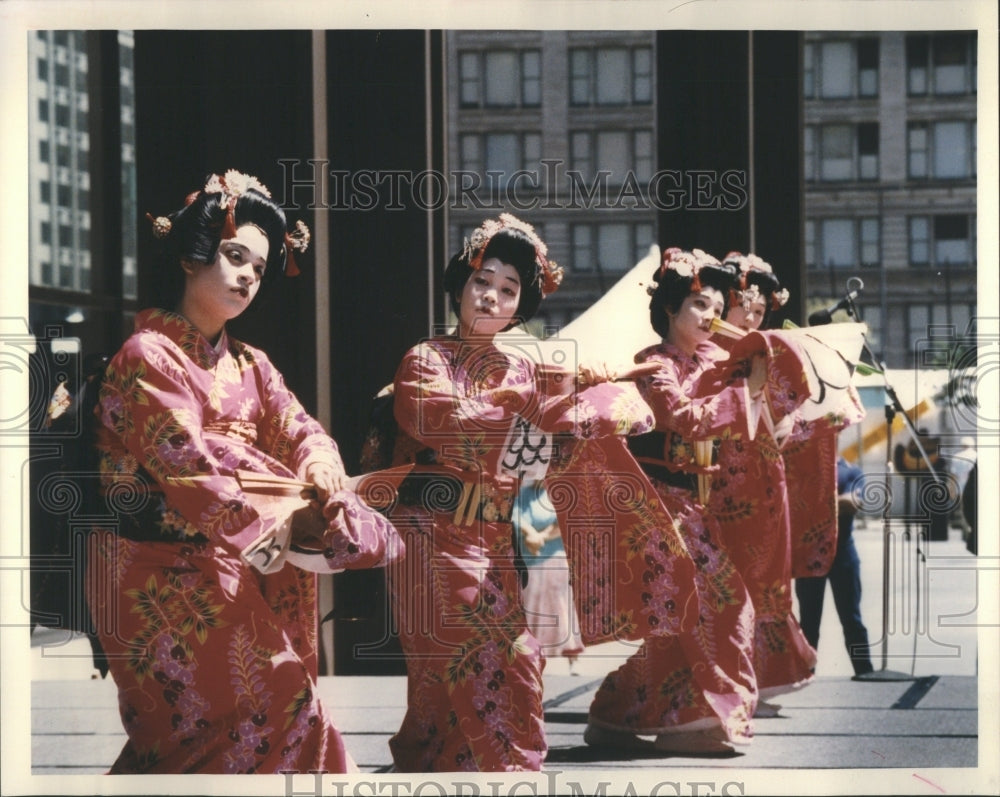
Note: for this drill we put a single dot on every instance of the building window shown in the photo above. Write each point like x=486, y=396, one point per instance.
x=921, y=317
x=841, y=69
x=841, y=152
x=500, y=79
x=63, y=217
x=941, y=63
x=869, y=236
x=843, y=243
x=941, y=150
x=612, y=247
x=942, y=241
x=868, y=151
x=867, y=55
x=836, y=152
x=617, y=152
x=611, y=76
x=500, y=152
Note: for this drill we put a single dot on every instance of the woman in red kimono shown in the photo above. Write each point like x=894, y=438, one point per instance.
x=694, y=691
x=749, y=498
x=474, y=669
x=210, y=633
x=477, y=414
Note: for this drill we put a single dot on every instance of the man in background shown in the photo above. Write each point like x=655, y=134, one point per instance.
x=844, y=577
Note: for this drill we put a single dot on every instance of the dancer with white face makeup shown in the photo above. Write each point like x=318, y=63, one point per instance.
x=750, y=500
x=208, y=620
x=474, y=669
x=475, y=409
x=694, y=691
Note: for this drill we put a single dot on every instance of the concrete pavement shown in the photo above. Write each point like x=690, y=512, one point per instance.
x=932, y=732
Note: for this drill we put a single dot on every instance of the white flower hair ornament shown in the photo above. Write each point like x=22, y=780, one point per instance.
x=550, y=273
x=748, y=293
x=232, y=185
x=684, y=264
x=748, y=296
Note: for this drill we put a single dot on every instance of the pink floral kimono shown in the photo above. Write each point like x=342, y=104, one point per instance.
x=215, y=661
x=750, y=501
x=474, y=419
x=810, y=459
x=701, y=677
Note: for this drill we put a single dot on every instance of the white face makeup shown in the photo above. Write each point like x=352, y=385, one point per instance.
x=219, y=291
x=489, y=300
x=748, y=319
x=690, y=325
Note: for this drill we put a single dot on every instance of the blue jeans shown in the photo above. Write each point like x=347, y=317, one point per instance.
x=845, y=581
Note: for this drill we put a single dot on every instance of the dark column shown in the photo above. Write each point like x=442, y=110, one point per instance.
x=705, y=117
x=207, y=101
x=779, y=213
x=381, y=242
x=106, y=183
x=379, y=235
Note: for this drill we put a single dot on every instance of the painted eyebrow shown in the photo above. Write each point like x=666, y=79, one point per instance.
x=515, y=279
x=244, y=248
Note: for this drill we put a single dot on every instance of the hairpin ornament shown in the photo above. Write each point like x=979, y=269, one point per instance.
x=231, y=186
x=161, y=225
x=475, y=247
x=686, y=264
x=750, y=293
x=296, y=240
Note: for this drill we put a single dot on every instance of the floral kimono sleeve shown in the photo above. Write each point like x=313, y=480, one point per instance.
x=150, y=406
x=465, y=425
x=288, y=432
x=700, y=410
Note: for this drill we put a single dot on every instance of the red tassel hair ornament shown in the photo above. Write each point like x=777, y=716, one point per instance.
x=549, y=272
x=296, y=240
x=232, y=185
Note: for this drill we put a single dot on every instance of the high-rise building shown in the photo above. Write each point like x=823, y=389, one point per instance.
x=67, y=286
x=59, y=161
x=560, y=126
x=890, y=181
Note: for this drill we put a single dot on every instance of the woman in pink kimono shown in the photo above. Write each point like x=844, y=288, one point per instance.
x=477, y=413
x=474, y=669
x=694, y=691
x=198, y=588
x=749, y=498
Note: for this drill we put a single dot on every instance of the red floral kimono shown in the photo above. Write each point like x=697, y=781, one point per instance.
x=750, y=500
x=810, y=459
x=701, y=678
x=215, y=662
x=474, y=669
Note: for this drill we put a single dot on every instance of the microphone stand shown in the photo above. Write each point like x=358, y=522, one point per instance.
x=892, y=406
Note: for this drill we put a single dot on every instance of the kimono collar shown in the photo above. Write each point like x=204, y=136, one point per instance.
x=184, y=334
x=705, y=355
